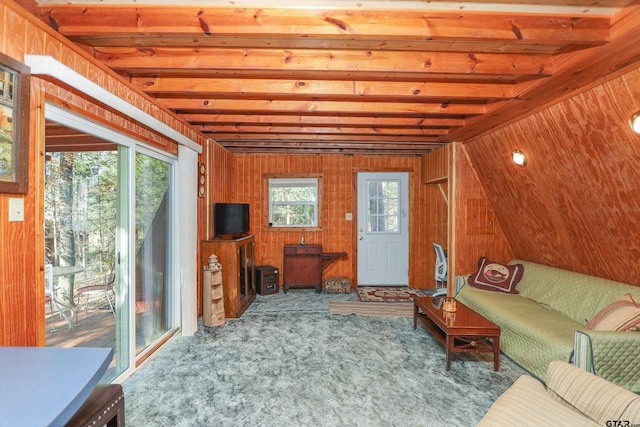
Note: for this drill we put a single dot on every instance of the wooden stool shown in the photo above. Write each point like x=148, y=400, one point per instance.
x=104, y=406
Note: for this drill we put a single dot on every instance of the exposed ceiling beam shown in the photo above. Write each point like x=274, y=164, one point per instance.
x=415, y=109
x=315, y=137
x=320, y=89
x=326, y=64
x=382, y=25
x=290, y=120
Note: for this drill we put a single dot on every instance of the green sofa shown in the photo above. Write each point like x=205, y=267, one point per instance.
x=547, y=321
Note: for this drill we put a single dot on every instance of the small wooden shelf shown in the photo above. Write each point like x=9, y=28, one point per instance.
x=329, y=257
x=434, y=167
x=439, y=180
x=212, y=298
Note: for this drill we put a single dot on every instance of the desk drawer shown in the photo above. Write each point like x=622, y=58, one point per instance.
x=303, y=249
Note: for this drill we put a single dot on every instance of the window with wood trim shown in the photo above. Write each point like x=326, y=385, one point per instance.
x=294, y=202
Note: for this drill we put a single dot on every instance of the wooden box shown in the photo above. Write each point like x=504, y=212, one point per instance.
x=337, y=285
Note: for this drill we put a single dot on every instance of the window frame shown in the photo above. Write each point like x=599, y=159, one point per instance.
x=268, y=202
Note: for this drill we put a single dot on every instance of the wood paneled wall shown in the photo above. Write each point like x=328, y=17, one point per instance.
x=460, y=216
x=21, y=243
x=435, y=171
x=339, y=187
x=576, y=203
x=476, y=231
x=221, y=183
x=435, y=166
x=220, y=164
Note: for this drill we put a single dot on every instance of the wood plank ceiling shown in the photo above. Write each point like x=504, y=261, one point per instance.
x=400, y=80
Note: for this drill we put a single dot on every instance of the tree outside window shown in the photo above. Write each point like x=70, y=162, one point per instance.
x=293, y=202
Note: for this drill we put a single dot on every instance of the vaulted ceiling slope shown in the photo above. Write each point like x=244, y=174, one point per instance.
x=400, y=80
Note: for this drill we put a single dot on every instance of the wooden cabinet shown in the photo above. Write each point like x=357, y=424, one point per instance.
x=238, y=276
x=302, y=267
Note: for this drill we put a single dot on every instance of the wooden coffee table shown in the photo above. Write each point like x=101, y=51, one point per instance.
x=461, y=331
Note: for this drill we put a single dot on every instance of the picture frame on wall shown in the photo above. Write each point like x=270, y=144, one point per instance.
x=14, y=125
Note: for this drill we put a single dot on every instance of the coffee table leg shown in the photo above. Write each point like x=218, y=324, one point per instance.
x=415, y=315
x=496, y=353
x=448, y=346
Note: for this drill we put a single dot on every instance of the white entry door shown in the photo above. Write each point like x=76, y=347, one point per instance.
x=383, y=229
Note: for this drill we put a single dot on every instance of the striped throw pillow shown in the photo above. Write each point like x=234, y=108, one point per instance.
x=623, y=314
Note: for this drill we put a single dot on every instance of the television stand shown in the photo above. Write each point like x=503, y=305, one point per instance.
x=238, y=276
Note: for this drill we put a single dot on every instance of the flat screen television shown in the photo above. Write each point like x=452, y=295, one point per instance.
x=230, y=219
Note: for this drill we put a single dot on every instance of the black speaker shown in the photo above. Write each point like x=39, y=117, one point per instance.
x=267, y=280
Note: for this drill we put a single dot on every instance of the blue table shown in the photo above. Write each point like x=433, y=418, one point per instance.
x=45, y=386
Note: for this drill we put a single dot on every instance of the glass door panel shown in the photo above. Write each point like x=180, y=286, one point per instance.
x=152, y=244
x=123, y=278
x=84, y=303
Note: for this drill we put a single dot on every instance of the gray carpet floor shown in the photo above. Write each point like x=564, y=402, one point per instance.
x=288, y=362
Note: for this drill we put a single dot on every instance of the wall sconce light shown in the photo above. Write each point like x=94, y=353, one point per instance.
x=519, y=158
x=634, y=123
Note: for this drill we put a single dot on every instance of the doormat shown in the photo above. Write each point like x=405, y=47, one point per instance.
x=397, y=309
x=388, y=294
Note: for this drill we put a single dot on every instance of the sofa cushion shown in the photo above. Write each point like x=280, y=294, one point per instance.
x=526, y=403
x=596, y=398
x=622, y=314
x=531, y=335
x=616, y=357
x=577, y=295
x=493, y=276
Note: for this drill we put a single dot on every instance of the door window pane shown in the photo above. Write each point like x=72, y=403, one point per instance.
x=383, y=198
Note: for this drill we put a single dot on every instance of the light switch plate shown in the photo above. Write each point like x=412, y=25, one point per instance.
x=16, y=209
x=348, y=216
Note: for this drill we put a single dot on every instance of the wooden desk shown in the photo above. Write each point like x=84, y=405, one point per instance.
x=303, y=266
x=42, y=386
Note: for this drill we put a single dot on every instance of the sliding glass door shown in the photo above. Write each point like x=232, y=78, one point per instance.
x=109, y=221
